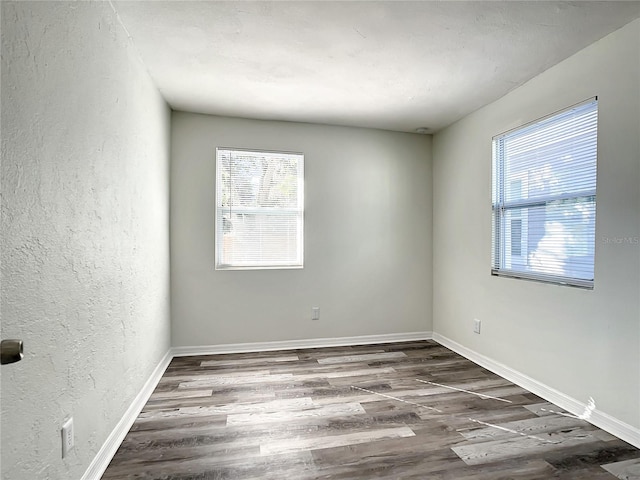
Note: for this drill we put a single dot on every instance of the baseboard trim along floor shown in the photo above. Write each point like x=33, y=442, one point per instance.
x=110, y=446
x=303, y=343
x=600, y=419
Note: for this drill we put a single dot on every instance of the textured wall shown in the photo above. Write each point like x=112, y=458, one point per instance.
x=367, y=236
x=585, y=343
x=84, y=231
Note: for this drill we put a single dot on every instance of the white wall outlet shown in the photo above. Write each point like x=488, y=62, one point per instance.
x=315, y=313
x=67, y=436
x=476, y=325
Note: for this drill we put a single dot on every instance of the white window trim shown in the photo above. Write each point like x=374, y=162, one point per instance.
x=294, y=212
x=500, y=205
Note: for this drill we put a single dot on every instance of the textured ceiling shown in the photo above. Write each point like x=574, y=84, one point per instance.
x=384, y=64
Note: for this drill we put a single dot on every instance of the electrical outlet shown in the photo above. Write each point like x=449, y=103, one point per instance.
x=67, y=436
x=476, y=325
x=315, y=313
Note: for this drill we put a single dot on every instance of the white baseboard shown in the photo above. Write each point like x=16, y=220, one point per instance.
x=110, y=446
x=598, y=418
x=294, y=344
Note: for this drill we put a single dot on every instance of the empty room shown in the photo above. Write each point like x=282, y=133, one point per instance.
x=320, y=240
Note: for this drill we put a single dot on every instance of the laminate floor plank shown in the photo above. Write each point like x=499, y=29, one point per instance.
x=326, y=411
x=264, y=466
x=209, y=400
x=316, y=443
x=396, y=411
x=625, y=470
x=248, y=361
x=530, y=426
x=250, y=406
x=363, y=357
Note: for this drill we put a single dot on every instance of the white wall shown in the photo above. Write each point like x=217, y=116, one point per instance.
x=85, y=274
x=583, y=343
x=367, y=236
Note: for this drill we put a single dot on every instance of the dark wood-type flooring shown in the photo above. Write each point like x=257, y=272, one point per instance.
x=411, y=410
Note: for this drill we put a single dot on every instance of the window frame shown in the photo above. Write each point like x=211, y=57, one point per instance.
x=218, y=219
x=500, y=206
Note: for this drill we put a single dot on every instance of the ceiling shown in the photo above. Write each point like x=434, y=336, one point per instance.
x=392, y=65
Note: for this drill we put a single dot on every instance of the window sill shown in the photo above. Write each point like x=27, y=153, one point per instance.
x=258, y=267
x=554, y=280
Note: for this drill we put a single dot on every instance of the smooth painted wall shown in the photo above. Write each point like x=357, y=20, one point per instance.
x=367, y=238
x=584, y=343
x=85, y=220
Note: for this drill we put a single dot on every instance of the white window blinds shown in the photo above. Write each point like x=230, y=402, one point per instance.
x=544, y=198
x=259, y=209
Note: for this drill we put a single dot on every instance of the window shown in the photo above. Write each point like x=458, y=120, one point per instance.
x=544, y=198
x=259, y=209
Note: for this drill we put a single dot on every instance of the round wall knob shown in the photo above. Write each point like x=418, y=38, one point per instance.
x=11, y=351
